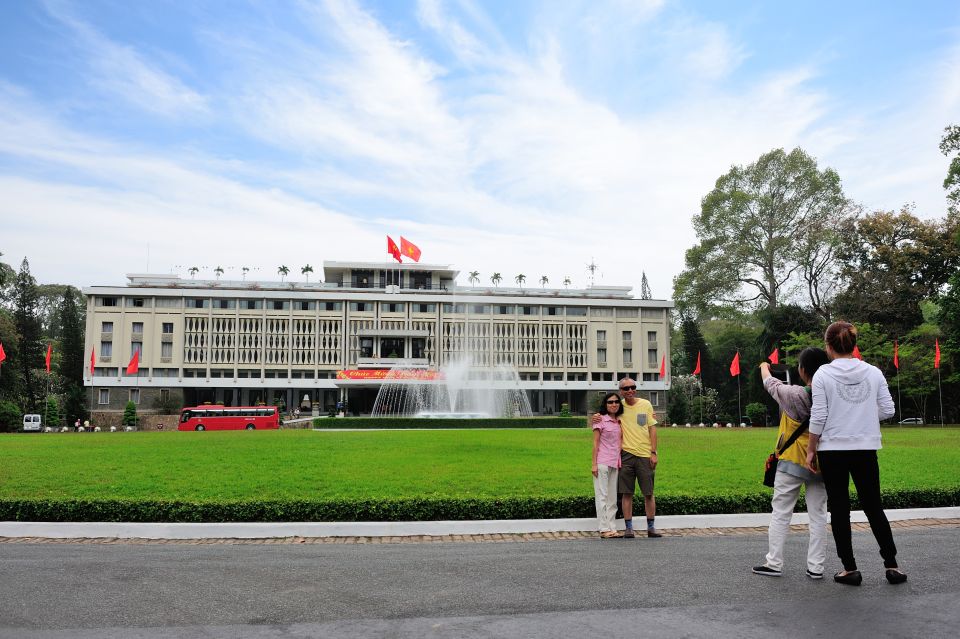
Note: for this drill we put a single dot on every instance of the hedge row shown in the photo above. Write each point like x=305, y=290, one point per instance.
x=444, y=422
x=420, y=509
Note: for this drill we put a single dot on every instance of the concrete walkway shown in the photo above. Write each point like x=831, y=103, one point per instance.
x=447, y=529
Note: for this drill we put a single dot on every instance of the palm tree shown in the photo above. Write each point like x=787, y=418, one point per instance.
x=520, y=279
x=544, y=280
x=193, y=271
x=218, y=271
x=283, y=271
x=474, y=278
x=245, y=269
x=306, y=271
x=566, y=281
x=496, y=279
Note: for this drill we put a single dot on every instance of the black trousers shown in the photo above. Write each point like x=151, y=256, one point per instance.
x=838, y=466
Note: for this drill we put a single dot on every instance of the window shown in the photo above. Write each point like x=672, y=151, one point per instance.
x=362, y=307
x=652, y=337
x=165, y=372
x=303, y=305
x=164, y=394
x=104, y=396
x=626, y=312
x=651, y=313
x=106, y=349
x=418, y=347
x=391, y=278
x=652, y=359
x=251, y=305
x=601, y=312
x=167, y=328
x=361, y=278
x=137, y=328
x=135, y=302
x=167, y=302
x=196, y=302
x=602, y=356
x=454, y=308
x=135, y=395
x=166, y=350
x=423, y=308
x=528, y=310
x=480, y=309
x=421, y=279
x=627, y=336
x=627, y=356
x=366, y=347
x=391, y=347
x=576, y=311
x=224, y=303
x=553, y=310
x=601, y=336
x=278, y=305
x=331, y=306
x=504, y=310
x=654, y=398
x=136, y=347
x=107, y=327
x=392, y=307
x=106, y=301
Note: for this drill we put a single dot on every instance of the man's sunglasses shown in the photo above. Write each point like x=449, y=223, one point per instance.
x=626, y=388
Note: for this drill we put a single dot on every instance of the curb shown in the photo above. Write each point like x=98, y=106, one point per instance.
x=255, y=530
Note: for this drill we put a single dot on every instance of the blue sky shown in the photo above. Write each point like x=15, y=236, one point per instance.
x=518, y=137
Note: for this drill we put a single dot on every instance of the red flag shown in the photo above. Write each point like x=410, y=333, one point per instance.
x=134, y=364
x=409, y=249
x=896, y=355
x=774, y=356
x=393, y=249
x=936, y=353
x=696, y=371
x=735, y=365
x=663, y=367
x=3, y=354
x=93, y=359
x=856, y=352
x=49, y=353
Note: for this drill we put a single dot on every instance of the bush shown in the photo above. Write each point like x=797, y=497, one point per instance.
x=420, y=422
x=52, y=418
x=130, y=414
x=757, y=413
x=11, y=419
x=564, y=410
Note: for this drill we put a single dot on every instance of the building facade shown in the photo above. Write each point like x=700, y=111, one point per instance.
x=317, y=345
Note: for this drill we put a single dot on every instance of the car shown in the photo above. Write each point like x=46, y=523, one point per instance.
x=912, y=420
x=32, y=423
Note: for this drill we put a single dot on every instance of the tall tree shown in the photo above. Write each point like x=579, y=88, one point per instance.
x=72, y=356
x=10, y=389
x=755, y=229
x=25, y=316
x=693, y=344
x=951, y=144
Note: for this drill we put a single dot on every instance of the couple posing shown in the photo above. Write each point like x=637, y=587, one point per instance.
x=624, y=454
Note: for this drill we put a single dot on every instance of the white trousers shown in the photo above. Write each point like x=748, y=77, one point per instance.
x=605, y=495
x=786, y=490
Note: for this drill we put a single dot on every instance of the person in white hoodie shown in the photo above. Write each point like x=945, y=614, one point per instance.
x=850, y=397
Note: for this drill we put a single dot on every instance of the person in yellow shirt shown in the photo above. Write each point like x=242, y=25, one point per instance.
x=638, y=456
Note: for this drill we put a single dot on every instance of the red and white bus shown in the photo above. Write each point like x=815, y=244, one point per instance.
x=212, y=417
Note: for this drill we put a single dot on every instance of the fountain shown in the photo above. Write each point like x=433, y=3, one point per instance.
x=457, y=390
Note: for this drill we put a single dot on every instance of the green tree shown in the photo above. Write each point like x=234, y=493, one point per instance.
x=11, y=418
x=693, y=345
x=567, y=282
x=496, y=278
x=31, y=351
x=544, y=280
x=130, y=414
x=72, y=357
x=891, y=262
x=520, y=279
x=306, y=271
x=10, y=388
x=755, y=230
x=52, y=417
x=950, y=143
x=283, y=271
x=193, y=271
x=474, y=278
x=218, y=272
x=245, y=270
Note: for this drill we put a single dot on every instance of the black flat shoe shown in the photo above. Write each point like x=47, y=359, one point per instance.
x=852, y=578
x=895, y=576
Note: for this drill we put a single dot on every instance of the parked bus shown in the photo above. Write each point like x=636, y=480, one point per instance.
x=229, y=418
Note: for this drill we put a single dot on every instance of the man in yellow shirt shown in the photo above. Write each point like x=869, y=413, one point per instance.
x=638, y=457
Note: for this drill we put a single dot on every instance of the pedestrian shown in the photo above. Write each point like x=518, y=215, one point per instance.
x=850, y=397
x=76, y=426
x=607, y=439
x=792, y=471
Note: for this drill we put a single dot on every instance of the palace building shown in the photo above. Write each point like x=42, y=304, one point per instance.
x=318, y=345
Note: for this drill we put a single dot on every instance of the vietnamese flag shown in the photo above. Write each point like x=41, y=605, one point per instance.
x=3, y=354
x=856, y=352
x=936, y=353
x=409, y=249
x=93, y=360
x=896, y=356
x=49, y=353
x=735, y=365
x=663, y=367
x=393, y=249
x=774, y=356
x=696, y=371
x=134, y=366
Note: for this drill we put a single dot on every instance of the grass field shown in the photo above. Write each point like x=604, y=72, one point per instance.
x=319, y=465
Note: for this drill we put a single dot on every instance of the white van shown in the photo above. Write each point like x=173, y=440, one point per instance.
x=32, y=423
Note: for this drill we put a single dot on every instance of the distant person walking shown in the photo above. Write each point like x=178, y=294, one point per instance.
x=792, y=472
x=607, y=439
x=850, y=397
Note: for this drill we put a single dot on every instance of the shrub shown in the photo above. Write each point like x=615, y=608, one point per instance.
x=130, y=414
x=757, y=413
x=52, y=418
x=11, y=418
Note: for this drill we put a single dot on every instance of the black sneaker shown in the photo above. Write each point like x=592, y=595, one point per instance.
x=767, y=571
x=814, y=575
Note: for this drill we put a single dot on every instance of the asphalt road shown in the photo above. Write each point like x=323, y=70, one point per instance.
x=670, y=587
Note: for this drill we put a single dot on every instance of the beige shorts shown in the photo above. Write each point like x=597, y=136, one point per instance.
x=635, y=470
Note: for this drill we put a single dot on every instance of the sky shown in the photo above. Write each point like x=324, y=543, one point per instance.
x=498, y=136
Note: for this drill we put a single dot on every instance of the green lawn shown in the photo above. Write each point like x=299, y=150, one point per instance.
x=315, y=465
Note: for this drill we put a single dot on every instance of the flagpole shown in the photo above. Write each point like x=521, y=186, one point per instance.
x=739, y=411
x=940, y=387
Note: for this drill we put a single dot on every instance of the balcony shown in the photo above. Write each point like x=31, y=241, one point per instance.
x=392, y=332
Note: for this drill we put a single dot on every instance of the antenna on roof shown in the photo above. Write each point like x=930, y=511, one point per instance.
x=592, y=270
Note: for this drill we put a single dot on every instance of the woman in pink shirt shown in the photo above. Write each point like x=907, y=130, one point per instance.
x=607, y=439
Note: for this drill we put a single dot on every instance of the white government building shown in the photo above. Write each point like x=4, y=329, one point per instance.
x=319, y=344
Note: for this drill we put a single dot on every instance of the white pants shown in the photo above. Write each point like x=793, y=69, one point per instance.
x=786, y=489
x=605, y=495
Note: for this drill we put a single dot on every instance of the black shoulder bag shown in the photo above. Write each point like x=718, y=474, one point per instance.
x=770, y=468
